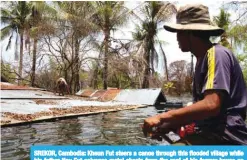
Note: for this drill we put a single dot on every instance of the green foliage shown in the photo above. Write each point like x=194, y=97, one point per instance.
x=242, y=58
x=237, y=36
x=47, y=76
x=153, y=12
x=14, y=19
x=223, y=20
x=83, y=75
x=107, y=16
x=8, y=73
x=120, y=80
x=233, y=37
x=168, y=85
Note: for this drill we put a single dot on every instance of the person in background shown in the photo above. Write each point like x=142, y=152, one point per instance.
x=219, y=89
x=61, y=86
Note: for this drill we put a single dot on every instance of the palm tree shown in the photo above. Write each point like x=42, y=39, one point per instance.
x=107, y=16
x=154, y=12
x=15, y=18
x=39, y=24
x=234, y=33
x=223, y=21
x=237, y=36
x=78, y=17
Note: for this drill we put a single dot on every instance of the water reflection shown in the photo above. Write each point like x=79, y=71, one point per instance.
x=115, y=128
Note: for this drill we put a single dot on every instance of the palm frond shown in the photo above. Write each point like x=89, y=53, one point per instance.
x=138, y=35
x=6, y=17
x=6, y=32
x=9, y=42
x=165, y=12
x=223, y=20
x=161, y=42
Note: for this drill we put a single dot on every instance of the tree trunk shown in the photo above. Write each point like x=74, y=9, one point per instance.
x=145, y=83
x=165, y=62
x=94, y=80
x=34, y=62
x=21, y=59
x=105, y=73
x=77, y=66
x=166, y=68
x=151, y=60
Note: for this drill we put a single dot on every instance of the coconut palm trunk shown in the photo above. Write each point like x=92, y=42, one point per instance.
x=37, y=29
x=166, y=68
x=77, y=65
x=108, y=16
x=35, y=43
x=21, y=58
x=146, y=76
x=105, y=74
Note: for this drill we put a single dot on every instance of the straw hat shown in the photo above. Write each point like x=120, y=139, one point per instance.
x=194, y=18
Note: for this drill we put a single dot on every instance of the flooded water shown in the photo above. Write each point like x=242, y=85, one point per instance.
x=115, y=128
x=108, y=128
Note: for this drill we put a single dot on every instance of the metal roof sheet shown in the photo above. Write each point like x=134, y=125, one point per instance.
x=31, y=106
x=28, y=94
x=26, y=101
x=140, y=96
x=9, y=86
x=23, y=106
x=110, y=94
x=98, y=94
x=87, y=93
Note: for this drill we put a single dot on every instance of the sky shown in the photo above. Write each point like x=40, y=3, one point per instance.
x=171, y=49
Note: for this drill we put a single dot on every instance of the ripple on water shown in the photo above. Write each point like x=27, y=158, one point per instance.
x=115, y=128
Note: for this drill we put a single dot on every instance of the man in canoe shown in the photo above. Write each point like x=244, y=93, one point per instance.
x=219, y=89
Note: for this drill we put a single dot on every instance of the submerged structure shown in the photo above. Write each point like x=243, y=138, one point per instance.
x=21, y=104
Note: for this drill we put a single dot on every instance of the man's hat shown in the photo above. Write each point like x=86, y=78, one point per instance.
x=194, y=18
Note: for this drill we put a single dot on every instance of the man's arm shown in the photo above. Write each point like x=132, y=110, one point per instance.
x=208, y=107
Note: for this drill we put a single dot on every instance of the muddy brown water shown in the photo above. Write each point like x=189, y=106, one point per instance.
x=115, y=128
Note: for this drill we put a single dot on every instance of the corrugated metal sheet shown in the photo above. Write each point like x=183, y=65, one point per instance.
x=98, y=94
x=110, y=94
x=140, y=96
x=28, y=102
x=23, y=106
x=28, y=94
x=137, y=96
x=9, y=86
x=87, y=93
x=30, y=106
x=79, y=92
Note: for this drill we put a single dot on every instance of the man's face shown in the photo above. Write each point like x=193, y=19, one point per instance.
x=183, y=41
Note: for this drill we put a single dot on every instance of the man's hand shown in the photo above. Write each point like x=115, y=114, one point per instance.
x=150, y=124
x=159, y=125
